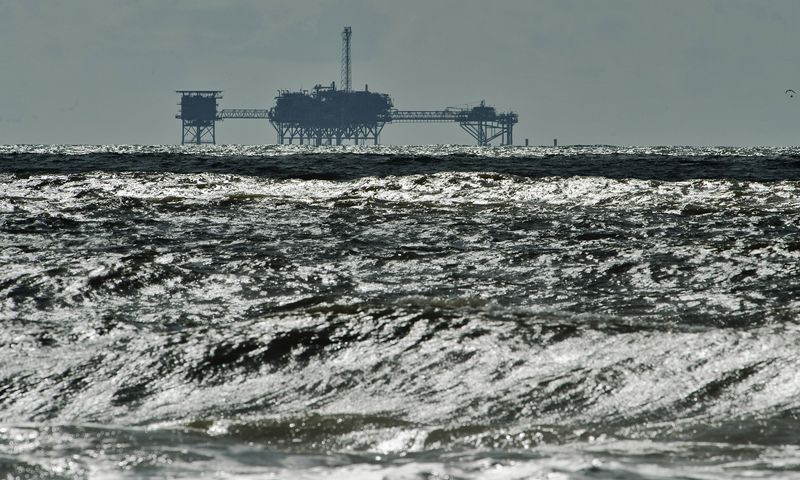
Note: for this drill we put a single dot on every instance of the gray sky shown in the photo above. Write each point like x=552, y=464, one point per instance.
x=627, y=72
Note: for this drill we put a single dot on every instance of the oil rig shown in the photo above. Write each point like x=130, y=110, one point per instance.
x=327, y=115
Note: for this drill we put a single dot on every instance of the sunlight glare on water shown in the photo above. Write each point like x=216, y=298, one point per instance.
x=399, y=312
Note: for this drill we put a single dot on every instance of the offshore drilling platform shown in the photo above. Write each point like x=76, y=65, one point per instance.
x=327, y=115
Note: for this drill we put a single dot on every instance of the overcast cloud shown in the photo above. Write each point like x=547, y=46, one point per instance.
x=690, y=72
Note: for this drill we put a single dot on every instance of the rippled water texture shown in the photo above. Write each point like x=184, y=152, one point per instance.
x=399, y=312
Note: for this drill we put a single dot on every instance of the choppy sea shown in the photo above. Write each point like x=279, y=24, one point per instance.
x=438, y=312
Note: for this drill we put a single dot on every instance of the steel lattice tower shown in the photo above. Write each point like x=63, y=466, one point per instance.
x=198, y=116
x=347, y=81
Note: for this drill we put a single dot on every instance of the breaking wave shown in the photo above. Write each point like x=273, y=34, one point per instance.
x=586, y=312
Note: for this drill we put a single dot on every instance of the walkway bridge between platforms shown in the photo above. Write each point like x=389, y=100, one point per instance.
x=482, y=122
x=247, y=113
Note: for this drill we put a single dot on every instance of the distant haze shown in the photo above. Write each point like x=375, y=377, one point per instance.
x=626, y=72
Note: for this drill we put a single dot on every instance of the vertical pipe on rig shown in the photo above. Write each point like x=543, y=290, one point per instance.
x=347, y=83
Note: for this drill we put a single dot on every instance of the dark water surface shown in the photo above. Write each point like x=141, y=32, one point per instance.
x=399, y=312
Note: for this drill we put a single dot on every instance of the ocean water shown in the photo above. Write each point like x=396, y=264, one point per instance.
x=399, y=312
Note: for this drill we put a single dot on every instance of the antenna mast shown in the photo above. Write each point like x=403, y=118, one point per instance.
x=347, y=83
